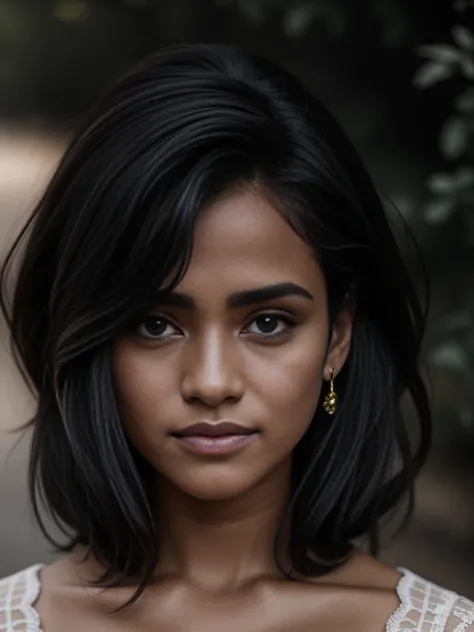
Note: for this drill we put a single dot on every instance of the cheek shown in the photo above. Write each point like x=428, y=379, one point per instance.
x=141, y=385
x=289, y=388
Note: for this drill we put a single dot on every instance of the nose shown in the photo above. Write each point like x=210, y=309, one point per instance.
x=211, y=373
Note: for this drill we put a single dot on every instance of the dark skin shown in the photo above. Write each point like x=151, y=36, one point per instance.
x=210, y=356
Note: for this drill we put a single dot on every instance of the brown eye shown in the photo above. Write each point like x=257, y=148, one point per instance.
x=269, y=326
x=156, y=328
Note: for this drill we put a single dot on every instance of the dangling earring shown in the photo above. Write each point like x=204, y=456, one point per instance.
x=330, y=401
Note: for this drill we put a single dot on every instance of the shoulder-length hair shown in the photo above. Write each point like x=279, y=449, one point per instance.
x=117, y=221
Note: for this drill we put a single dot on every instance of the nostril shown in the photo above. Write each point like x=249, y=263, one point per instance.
x=212, y=394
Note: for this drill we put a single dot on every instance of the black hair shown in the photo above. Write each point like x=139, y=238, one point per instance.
x=116, y=222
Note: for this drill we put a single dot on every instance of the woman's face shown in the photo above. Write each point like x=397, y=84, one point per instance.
x=244, y=339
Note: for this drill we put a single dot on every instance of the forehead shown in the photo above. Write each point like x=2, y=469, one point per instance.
x=243, y=241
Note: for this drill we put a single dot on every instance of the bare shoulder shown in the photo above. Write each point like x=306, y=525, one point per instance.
x=362, y=596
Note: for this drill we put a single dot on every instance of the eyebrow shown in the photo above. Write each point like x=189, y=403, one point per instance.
x=238, y=299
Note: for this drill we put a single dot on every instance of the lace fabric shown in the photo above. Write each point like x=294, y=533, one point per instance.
x=18, y=593
x=424, y=606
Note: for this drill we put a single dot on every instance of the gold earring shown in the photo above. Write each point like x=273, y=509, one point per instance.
x=330, y=401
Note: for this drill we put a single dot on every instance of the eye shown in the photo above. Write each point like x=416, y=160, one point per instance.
x=270, y=326
x=154, y=327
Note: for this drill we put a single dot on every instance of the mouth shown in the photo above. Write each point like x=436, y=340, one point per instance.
x=215, y=438
x=220, y=429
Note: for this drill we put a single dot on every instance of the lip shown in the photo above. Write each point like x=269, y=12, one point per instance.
x=219, y=438
x=225, y=444
x=219, y=429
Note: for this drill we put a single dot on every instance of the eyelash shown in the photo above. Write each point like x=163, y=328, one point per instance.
x=288, y=322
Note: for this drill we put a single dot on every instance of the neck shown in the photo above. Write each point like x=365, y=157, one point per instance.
x=219, y=544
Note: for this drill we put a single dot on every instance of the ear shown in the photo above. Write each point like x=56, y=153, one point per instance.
x=340, y=341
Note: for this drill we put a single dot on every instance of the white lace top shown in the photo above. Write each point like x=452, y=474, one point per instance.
x=424, y=607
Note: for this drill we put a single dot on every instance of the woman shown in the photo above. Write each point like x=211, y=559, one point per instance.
x=214, y=314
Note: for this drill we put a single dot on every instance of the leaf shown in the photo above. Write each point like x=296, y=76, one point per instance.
x=441, y=52
x=465, y=101
x=464, y=178
x=449, y=355
x=439, y=210
x=297, y=19
x=441, y=183
x=467, y=68
x=453, y=137
x=445, y=183
x=430, y=73
x=463, y=37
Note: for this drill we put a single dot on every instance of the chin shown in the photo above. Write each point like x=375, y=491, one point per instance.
x=219, y=495
x=214, y=488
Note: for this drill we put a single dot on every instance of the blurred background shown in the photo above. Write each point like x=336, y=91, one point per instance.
x=399, y=76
